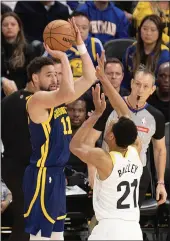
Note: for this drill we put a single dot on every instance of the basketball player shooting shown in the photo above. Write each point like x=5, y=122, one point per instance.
x=116, y=184
x=50, y=135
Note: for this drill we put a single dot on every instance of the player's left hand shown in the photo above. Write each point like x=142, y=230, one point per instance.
x=99, y=102
x=79, y=40
x=161, y=194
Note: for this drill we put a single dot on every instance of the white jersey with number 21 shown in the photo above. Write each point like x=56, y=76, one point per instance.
x=117, y=196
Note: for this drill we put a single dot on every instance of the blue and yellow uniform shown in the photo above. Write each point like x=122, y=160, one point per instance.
x=94, y=47
x=164, y=56
x=44, y=179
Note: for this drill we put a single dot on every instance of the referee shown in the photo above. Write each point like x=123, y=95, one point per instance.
x=151, y=127
x=150, y=123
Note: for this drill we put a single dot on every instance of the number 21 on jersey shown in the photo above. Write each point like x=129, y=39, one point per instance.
x=66, y=125
x=128, y=190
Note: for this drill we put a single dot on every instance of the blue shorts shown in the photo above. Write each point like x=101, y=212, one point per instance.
x=45, y=200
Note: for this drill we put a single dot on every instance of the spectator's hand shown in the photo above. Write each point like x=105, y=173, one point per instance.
x=4, y=205
x=79, y=40
x=55, y=53
x=100, y=74
x=8, y=86
x=161, y=194
x=99, y=103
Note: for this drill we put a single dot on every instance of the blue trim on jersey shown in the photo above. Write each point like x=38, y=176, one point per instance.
x=135, y=110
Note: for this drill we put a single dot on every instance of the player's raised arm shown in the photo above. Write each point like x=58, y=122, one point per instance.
x=115, y=99
x=67, y=83
x=82, y=84
x=78, y=145
x=88, y=78
x=42, y=73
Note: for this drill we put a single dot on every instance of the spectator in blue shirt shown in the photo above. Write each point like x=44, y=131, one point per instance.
x=107, y=21
x=73, y=4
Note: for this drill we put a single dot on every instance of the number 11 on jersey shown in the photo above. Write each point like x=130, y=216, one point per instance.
x=66, y=125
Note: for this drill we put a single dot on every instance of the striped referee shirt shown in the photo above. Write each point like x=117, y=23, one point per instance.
x=150, y=123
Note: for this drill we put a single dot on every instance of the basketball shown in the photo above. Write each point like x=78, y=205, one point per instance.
x=59, y=35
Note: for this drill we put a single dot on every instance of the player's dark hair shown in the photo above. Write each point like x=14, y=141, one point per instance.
x=36, y=65
x=78, y=13
x=125, y=132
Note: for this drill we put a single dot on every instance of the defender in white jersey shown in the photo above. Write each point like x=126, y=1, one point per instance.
x=119, y=192
x=115, y=199
x=118, y=173
x=116, y=187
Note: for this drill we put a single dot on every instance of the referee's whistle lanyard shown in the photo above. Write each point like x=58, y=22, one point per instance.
x=137, y=104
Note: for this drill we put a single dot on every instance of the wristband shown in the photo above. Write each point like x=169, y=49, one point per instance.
x=82, y=49
x=161, y=183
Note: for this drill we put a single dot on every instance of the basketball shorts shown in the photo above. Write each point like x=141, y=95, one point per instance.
x=116, y=229
x=44, y=200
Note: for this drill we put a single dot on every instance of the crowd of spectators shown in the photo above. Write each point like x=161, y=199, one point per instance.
x=147, y=23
